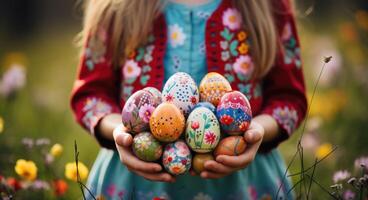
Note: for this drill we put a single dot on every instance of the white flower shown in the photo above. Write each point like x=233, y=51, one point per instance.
x=340, y=176
x=232, y=19
x=131, y=69
x=176, y=35
x=13, y=79
x=244, y=65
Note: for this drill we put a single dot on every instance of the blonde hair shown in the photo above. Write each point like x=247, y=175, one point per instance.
x=129, y=23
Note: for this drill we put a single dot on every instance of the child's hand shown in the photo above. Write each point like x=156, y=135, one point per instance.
x=150, y=171
x=225, y=165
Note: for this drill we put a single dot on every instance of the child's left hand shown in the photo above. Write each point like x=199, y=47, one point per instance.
x=225, y=165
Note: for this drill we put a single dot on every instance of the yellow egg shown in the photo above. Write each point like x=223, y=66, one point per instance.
x=199, y=160
x=212, y=87
x=167, y=122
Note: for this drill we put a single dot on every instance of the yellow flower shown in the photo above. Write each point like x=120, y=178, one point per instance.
x=323, y=150
x=26, y=169
x=56, y=150
x=242, y=36
x=1, y=124
x=243, y=48
x=71, y=171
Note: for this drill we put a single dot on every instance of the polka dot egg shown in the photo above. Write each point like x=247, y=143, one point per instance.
x=181, y=90
x=137, y=111
x=177, y=158
x=212, y=87
x=234, y=113
x=167, y=122
x=202, y=130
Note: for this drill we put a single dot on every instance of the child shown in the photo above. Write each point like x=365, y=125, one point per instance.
x=130, y=45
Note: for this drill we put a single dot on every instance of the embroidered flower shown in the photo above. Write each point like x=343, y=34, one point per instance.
x=195, y=125
x=243, y=48
x=145, y=112
x=176, y=35
x=287, y=117
x=242, y=36
x=286, y=32
x=291, y=47
x=243, y=65
x=232, y=19
x=226, y=119
x=131, y=70
x=209, y=137
x=94, y=108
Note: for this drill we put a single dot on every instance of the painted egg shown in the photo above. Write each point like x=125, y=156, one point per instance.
x=156, y=94
x=231, y=146
x=137, y=111
x=212, y=87
x=206, y=105
x=234, y=113
x=146, y=147
x=167, y=122
x=177, y=158
x=199, y=160
x=182, y=91
x=202, y=132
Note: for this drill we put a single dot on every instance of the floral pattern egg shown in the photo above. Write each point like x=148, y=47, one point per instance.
x=167, y=122
x=234, y=113
x=177, y=158
x=181, y=90
x=206, y=105
x=137, y=111
x=212, y=87
x=146, y=147
x=202, y=130
x=156, y=94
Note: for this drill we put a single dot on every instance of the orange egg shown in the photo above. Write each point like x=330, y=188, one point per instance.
x=212, y=87
x=199, y=160
x=231, y=146
x=167, y=122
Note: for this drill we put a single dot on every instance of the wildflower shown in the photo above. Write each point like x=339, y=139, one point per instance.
x=71, y=171
x=60, y=187
x=13, y=80
x=323, y=150
x=13, y=183
x=361, y=162
x=348, y=194
x=40, y=185
x=42, y=141
x=56, y=150
x=341, y=175
x=49, y=159
x=1, y=124
x=28, y=142
x=26, y=169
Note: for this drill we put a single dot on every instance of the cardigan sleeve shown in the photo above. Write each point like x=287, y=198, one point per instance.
x=284, y=87
x=95, y=92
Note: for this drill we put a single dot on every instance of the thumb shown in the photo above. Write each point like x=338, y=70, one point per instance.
x=123, y=139
x=252, y=136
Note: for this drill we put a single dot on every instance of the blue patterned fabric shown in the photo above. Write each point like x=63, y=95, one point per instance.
x=186, y=53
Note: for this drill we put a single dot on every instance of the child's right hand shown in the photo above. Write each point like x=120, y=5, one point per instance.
x=150, y=171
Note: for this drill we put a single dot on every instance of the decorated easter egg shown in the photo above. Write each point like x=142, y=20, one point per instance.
x=146, y=147
x=177, y=158
x=156, y=94
x=167, y=122
x=202, y=132
x=212, y=87
x=234, y=113
x=181, y=90
x=137, y=111
x=206, y=105
x=199, y=160
x=231, y=146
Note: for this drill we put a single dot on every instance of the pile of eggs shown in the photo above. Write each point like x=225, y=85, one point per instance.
x=184, y=126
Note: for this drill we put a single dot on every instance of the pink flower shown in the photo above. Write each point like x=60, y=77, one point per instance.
x=145, y=112
x=232, y=19
x=210, y=137
x=195, y=125
x=348, y=194
x=287, y=32
x=111, y=190
x=340, y=175
x=12, y=80
x=131, y=69
x=244, y=65
x=362, y=161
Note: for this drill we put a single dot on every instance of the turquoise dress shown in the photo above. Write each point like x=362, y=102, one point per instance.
x=110, y=179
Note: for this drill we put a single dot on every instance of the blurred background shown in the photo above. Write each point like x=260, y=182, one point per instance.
x=38, y=61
